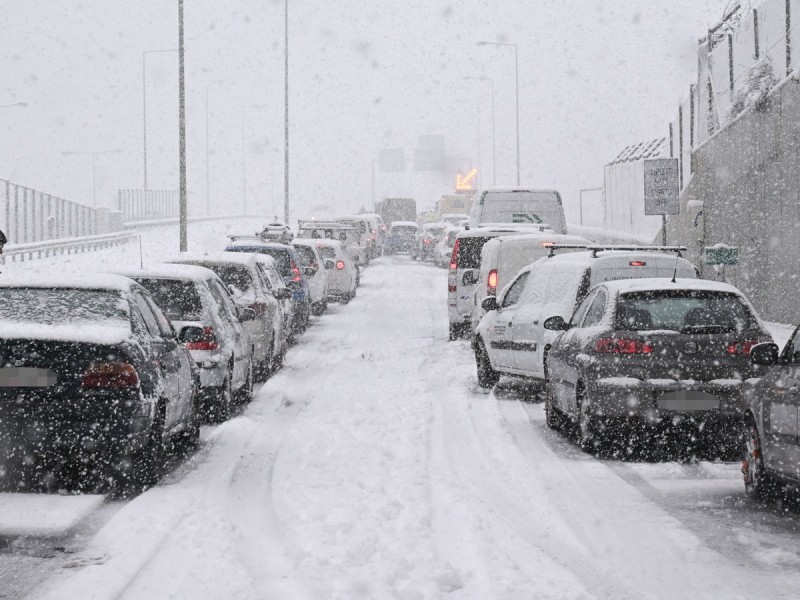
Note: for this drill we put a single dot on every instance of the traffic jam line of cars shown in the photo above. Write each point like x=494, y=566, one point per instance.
x=103, y=375
x=633, y=354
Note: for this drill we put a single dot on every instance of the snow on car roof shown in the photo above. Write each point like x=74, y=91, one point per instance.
x=219, y=258
x=588, y=258
x=108, y=333
x=543, y=236
x=84, y=281
x=515, y=189
x=255, y=242
x=404, y=223
x=491, y=231
x=170, y=271
x=622, y=286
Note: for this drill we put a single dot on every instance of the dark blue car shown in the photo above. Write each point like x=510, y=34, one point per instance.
x=289, y=266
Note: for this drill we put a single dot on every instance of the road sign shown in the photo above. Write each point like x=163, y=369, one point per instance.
x=722, y=255
x=392, y=160
x=661, y=186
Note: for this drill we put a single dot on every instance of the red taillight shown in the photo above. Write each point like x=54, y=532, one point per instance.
x=622, y=346
x=637, y=263
x=547, y=244
x=491, y=283
x=110, y=375
x=340, y=264
x=209, y=341
x=741, y=348
x=454, y=256
x=296, y=274
x=426, y=241
x=259, y=307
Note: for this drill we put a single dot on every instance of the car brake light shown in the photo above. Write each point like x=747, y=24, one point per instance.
x=110, y=375
x=340, y=264
x=259, y=307
x=638, y=263
x=741, y=348
x=454, y=255
x=622, y=346
x=426, y=241
x=491, y=288
x=296, y=274
x=209, y=341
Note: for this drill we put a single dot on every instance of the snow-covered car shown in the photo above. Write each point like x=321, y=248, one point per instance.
x=443, y=250
x=315, y=273
x=427, y=237
x=504, y=256
x=342, y=271
x=347, y=233
x=93, y=383
x=771, y=448
x=455, y=219
x=211, y=328
x=242, y=277
x=275, y=232
x=288, y=263
x=654, y=355
x=363, y=243
x=511, y=337
x=277, y=286
x=401, y=237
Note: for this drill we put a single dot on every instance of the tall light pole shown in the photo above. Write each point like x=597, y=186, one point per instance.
x=244, y=158
x=494, y=152
x=94, y=156
x=286, y=113
x=183, y=210
x=208, y=159
x=144, y=108
x=516, y=87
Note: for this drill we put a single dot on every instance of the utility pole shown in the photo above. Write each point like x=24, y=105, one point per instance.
x=286, y=115
x=182, y=133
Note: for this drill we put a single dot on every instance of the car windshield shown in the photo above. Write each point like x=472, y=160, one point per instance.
x=179, y=299
x=61, y=306
x=686, y=311
x=307, y=256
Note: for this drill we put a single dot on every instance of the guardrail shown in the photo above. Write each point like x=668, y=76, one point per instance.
x=21, y=252
x=175, y=220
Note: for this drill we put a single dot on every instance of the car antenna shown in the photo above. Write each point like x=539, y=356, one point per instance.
x=675, y=272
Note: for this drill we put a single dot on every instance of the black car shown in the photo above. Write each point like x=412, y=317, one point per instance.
x=94, y=386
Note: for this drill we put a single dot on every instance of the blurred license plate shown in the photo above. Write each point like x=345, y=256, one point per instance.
x=27, y=377
x=688, y=400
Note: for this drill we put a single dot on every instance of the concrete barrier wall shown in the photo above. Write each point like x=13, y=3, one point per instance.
x=745, y=192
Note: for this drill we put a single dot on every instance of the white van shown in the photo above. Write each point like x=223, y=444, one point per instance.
x=504, y=256
x=512, y=332
x=521, y=206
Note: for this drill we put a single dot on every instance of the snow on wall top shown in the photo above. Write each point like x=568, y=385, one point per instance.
x=652, y=149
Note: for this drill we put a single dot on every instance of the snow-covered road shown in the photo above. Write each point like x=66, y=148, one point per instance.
x=372, y=467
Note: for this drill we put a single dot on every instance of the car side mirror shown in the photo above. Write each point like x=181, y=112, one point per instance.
x=489, y=303
x=246, y=314
x=329, y=264
x=556, y=323
x=191, y=334
x=469, y=278
x=765, y=354
x=282, y=293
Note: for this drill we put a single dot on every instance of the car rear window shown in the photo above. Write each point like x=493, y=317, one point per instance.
x=404, y=230
x=685, y=311
x=307, y=256
x=236, y=277
x=328, y=252
x=282, y=258
x=178, y=299
x=61, y=305
x=469, y=252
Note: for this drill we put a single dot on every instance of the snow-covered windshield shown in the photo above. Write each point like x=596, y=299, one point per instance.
x=237, y=278
x=685, y=311
x=61, y=306
x=178, y=299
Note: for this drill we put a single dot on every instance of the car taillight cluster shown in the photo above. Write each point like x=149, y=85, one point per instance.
x=209, y=341
x=491, y=283
x=741, y=348
x=454, y=256
x=113, y=375
x=622, y=346
x=340, y=264
x=296, y=274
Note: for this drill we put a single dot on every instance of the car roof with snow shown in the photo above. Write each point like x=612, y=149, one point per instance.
x=492, y=231
x=220, y=258
x=590, y=257
x=83, y=281
x=170, y=271
x=622, y=286
x=404, y=224
x=254, y=242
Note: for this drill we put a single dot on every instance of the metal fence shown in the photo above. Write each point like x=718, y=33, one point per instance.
x=28, y=215
x=148, y=205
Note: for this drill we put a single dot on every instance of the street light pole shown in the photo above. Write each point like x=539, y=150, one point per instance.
x=144, y=107
x=183, y=211
x=208, y=156
x=286, y=114
x=516, y=94
x=494, y=152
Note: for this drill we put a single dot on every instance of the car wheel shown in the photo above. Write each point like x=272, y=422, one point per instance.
x=147, y=463
x=551, y=413
x=221, y=410
x=758, y=483
x=454, y=331
x=246, y=391
x=487, y=376
x=191, y=436
x=588, y=435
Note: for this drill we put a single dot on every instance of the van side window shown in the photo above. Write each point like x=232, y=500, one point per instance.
x=583, y=288
x=515, y=291
x=597, y=309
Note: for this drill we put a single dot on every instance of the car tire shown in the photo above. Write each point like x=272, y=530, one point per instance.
x=223, y=399
x=147, y=463
x=589, y=436
x=553, y=417
x=191, y=436
x=487, y=376
x=759, y=484
x=245, y=393
x=454, y=331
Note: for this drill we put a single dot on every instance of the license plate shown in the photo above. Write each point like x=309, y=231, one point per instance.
x=688, y=401
x=27, y=377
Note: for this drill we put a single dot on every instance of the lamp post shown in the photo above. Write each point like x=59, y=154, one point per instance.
x=494, y=153
x=516, y=87
x=286, y=113
x=244, y=158
x=208, y=159
x=183, y=209
x=94, y=156
x=580, y=199
x=144, y=108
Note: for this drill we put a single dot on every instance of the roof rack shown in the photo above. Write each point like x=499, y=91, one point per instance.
x=301, y=224
x=245, y=236
x=596, y=248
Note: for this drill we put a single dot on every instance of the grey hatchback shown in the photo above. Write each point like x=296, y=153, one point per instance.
x=648, y=356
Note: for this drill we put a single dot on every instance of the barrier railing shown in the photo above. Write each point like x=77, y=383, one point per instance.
x=22, y=252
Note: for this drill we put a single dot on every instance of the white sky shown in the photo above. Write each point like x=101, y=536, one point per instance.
x=594, y=76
